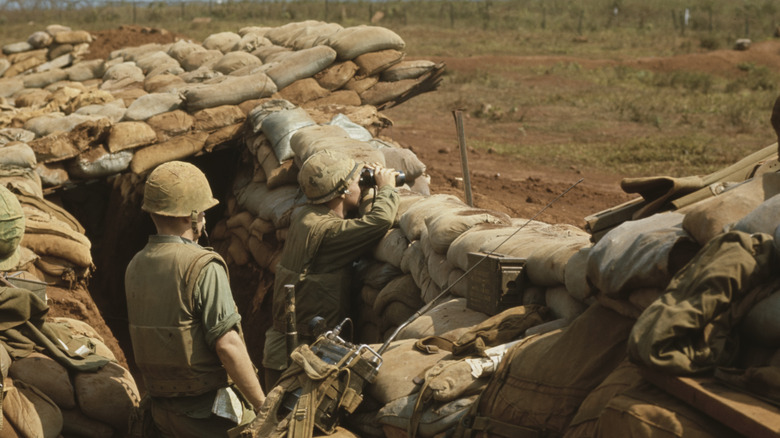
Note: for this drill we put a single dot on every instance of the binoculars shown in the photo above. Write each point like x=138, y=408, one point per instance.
x=367, y=178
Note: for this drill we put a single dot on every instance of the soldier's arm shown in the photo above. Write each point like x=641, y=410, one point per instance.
x=235, y=358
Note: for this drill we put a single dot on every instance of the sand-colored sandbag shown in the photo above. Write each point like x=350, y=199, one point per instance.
x=304, y=141
x=85, y=70
x=343, y=98
x=44, y=78
x=75, y=423
x=238, y=253
x=52, y=245
x=180, y=49
x=412, y=222
x=763, y=219
x=404, y=160
x=231, y=91
x=270, y=205
x=10, y=86
x=17, y=155
x=285, y=173
x=391, y=247
x=352, y=42
x=262, y=252
x=47, y=375
x=222, y=41
x=451, y=318
x=402, y=289
x=12, y=135
x=40, y=39
x=373, y=63
x=151, y=105
x=376, y=275
x=72, y=37
x=113, y=111
x=211, y=119
x=173, y=149
x=401, y=363
x=576, y=275
x=233, y=61
x=150, y=61
x=129, y=135
x=562, y=304
x=546, y=265
x=81, y=328
x=458, y=283
x=198, y=59
x=51, y=123
x=251, y=41
x=706, y=219
x=383, y=92
x=31, y=98
x=125, y=70
x=30, y=412
x=337, y=75
x=267, y=53
x=18, y=47
x=445, y=222
x=108, y=395
x=171, y=124
x=99, y=163
x=163, y=83
x=301, y=64
x=280, y=126
x=303, y=90
x=439, y=269
x=227, y=134
x=52, y=174
x=407, y=70
x=360, y=85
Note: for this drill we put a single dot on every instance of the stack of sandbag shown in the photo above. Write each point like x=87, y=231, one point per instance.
x=43, y=398
x=44, y=57
x=159, y=102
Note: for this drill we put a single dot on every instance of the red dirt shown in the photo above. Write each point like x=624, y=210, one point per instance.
x=126, y=36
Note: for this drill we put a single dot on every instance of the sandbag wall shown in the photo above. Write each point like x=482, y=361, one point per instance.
x=159, y=102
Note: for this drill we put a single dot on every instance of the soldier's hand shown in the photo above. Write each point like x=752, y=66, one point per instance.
x=385, y=176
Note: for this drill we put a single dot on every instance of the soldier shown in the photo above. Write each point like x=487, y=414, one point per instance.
x=322, y=245
x=184, y=326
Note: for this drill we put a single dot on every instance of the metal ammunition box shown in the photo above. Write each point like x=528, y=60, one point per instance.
x=495, y=283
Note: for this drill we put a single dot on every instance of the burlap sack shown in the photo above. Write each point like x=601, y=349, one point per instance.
x=535, y=388
x=301, y=64
x=222, y=41
x=303, y=90
x=271, y=205
x=304, y=142
x=404, y=160
x=413, y=221
x=10, y=86
x=383, y=92
x=47, y=375
x=763, y=219
x=233, y=61
x=72, y=37
x=17, y=155
x=128, y=135
x=401, y=363
x=458, y=283
x=575, y=275
x=108, y=395
x=31, y=98
x=99, y=163
x=151, y=105
x=706, y=219
x=125, y=70
x=29, y=412
x=640, y=254
x=376, y=275
x=446, y=222
x=373, y=63
x=450, y=319
x=85, y=70
x=173, y=149
x=439, y=269
x=352, y=42
x=546, y=265
x=211, y=119
x=180, y=49
x=402, y=289
x=407, y=70
x=337, y=98
x=51, y=123
x=226, y=135
x=391, y=248
x=231, y=91
x=170, y=124
x=562, y=304
x=150, y=61
x=163, y=83
x=112, y=111
x=337, y=75
x=197, y=59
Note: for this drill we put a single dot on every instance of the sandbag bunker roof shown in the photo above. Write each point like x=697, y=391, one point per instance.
x=87, y=119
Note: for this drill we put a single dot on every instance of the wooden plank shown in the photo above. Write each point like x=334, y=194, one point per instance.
x=738, y=410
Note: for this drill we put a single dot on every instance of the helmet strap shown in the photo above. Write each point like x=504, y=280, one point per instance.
x=194, y=224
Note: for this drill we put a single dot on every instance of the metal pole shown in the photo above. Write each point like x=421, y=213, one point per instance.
x=289, y=315
x=464, y=159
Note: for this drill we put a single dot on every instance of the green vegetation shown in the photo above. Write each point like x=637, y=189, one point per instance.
x=591, y=107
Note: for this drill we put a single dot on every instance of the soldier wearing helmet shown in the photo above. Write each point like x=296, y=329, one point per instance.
x=184, y=326
x=11, y=229
x=322, y=243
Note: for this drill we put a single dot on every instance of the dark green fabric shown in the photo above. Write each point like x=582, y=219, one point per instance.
x=23, y=330
x=689, y=328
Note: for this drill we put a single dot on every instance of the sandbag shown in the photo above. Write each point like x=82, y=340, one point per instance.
x=47, y=375
x=562, y=304
x=51, y=123
x=17, y=155
x=434, y=419
x=402, y=289
x=173, y=149
x=763, y=219
x=279, y=127
x=85, y=70
x=407, y=70
x=404, y=160
x=232, y=91
x=197, y=59
x=303, y=90
x=339, y=98
x=374, y=277
x=129, y=135
x=706, y=219
x=352, y=42
x=546, y=265
x=112, y=111
x=383, y=92
x=233, y=61
x=391, y=247
x=272, y=205
x=163, y=83
x=450, y=318
x=446, y=222
x=44, y=78
x=224, y=135
x=373, y=63
x=305, y=139
x=53, y=174
x=10, y=135
x=222, y=41
x=31, y=98
x=75, y=423
x=29, y=411
x=337, y=75
x=640, y=254
x=301, y=64
x=10, y=86
x=108, y=395
x=72, y=37
x=439, y=269
x=401, y=363
x=152, y=60
x=412, y=222
x=171, y=124
x=210, y=119
x=151, y=105
x=125, y=70
x=251, y=41
x=534, y=388
x=19, y=47
x=82, y=329
x=576, y=275
x=99, y=163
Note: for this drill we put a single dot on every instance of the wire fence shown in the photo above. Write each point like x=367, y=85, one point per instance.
x=744, y=18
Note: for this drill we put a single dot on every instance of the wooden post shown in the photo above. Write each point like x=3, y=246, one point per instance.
x=464, y=159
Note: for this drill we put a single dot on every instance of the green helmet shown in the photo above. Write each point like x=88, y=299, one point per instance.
x=326, y=175
x=11, y=229
x=177, y=189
